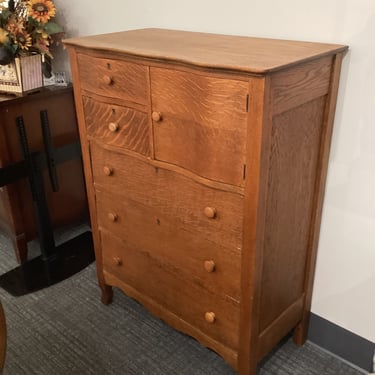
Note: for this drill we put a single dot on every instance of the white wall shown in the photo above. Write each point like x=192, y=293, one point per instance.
x=344, y=290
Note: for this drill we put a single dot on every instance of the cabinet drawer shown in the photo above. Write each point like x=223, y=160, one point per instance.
x=214, y=267
x=113, y=78
x=117, y=126
x=185, y=202
x=161, y=283
x=202, y=124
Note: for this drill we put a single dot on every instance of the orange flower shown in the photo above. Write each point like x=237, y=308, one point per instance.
x=41, y=10
x=23, y=40
x=15, y=25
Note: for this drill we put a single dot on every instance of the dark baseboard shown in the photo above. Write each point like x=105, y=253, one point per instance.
x=341, y=342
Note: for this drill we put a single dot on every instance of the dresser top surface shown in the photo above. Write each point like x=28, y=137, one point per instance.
x=253, y=55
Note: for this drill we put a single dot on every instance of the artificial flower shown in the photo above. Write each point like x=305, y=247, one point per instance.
x=23, y=40
x=41, y=10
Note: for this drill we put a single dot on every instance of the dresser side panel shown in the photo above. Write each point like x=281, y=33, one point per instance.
x=295, y=144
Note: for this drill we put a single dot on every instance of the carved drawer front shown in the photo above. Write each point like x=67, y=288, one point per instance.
x=217, y=317
x=113, y=78
x=199, y=123
x=214, y=267
x=117, y=126
x=210, y=213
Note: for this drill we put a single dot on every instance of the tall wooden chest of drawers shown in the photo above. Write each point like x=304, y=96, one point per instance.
x=205, y=160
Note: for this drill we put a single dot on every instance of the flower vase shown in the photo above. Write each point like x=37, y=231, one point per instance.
x=22, y=75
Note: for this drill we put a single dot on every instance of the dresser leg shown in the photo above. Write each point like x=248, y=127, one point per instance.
x=107, y=294
x=300, y=332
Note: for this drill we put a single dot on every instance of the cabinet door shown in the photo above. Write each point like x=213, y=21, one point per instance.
x=199, y=123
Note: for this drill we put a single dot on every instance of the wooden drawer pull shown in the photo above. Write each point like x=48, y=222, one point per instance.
x=156, y=116
x=108, y=171
x=117, y=261
x=210, y=317
x=112, y=217
x=209, y=265
x=113, y=127
x=108, y=80
x=210, y=212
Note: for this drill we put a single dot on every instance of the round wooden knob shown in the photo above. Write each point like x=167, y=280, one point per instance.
x=108, y=80
x=113, y=127
x=210, y=212
x=209, y=265
x=156, y=116
x=117, y=261
x=108, y=171
x=210, y=317
x=112, y=217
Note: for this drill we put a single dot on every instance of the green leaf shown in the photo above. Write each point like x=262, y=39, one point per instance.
x=53, y=28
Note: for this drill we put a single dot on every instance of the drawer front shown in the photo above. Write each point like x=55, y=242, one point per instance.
x=213, y=214
x=164, y=285
x=202, y=123
x=117, y=126
x=113, y=78
x=212, y=266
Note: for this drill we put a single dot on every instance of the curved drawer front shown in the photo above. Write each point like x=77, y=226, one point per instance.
x=165, y=286
x=113, y=78
x=200, y=123
x=170, y=194
x=214, y=267
x=117, y=126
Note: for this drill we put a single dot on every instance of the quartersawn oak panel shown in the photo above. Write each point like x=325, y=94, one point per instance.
x=157, y=235
x=298, y=85
x=171, y=194
x=132, y=132
x=292, y=179
x=201, y=109
x=161, y=282
x=113, y=78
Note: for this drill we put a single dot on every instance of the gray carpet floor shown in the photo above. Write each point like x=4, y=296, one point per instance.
x=64, y=329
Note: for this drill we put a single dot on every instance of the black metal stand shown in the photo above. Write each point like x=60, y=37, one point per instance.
x=55, y=263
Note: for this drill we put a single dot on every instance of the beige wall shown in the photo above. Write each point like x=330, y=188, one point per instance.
x=344, y=290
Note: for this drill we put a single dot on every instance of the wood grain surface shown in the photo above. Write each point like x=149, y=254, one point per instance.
x=164, y=284
x=203, y=110
x=239, y=53
x=129, y=127
x=171, y=194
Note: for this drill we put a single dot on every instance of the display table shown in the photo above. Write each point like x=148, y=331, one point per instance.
x=67, y=205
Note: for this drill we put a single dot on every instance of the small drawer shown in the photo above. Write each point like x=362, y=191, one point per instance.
x=213, y=214
x=113, y=78
x=215, y=267
x=200, y=123
x=117, y=126
x=216, y=316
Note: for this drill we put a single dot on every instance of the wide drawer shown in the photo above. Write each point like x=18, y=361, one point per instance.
x=200, y=123
x=210, y=265
x=113, y=78
x=215, y=316
x=117, y=125
x=213, y=214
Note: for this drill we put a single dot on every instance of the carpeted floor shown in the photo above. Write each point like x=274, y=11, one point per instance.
x=65, y=329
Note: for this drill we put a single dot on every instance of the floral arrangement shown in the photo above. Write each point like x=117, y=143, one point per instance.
x=27, y=27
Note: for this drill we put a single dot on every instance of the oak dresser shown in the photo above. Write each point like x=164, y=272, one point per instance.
x=205, y=159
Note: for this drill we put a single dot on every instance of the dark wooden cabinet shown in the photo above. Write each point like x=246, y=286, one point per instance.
x=69, y=204
x=205, y=159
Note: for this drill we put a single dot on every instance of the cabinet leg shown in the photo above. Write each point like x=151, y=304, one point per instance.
x=107, y=294
x=300, y=332
x=20, y=248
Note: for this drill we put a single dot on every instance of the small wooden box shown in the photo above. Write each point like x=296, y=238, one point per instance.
x=22, y=75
